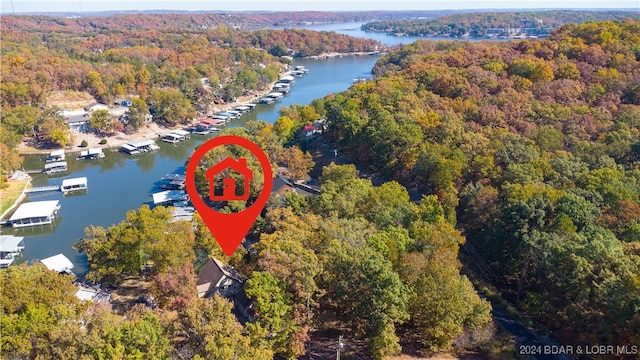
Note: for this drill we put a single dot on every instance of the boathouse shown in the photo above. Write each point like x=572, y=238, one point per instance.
x=75, y=184
x=55, y=167
x=91, y=154
x=171, y=198
x=56, y=155
x=35, y=213
x=58, y=263
x=10, y=247
x=138, y=147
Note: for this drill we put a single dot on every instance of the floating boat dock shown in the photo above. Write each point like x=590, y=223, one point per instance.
x=10, y=248
x=176, y=136
x=35, y=213
x=75, y=184
x=139, y=147
x=68, y=185
x=91, y=154
x=55, y=167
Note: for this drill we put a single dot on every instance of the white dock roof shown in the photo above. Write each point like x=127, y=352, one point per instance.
x=287, y=78
x=94, y=151
x=55, y=164
x=57, y=263
x=180, y=132
x=169, y=195
x=141, y=143
x=9, y=243
x=74, y=181
x=35, y=209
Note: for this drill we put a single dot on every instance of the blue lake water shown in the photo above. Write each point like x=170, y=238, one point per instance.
x=120, y=183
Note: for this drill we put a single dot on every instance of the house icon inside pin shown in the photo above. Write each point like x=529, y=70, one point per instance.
x=228, y=183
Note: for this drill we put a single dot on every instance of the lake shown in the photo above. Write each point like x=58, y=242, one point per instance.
x=120, y=183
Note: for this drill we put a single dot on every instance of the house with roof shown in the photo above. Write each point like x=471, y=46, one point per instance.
x=229, y=191
x=282, y=186
x=218, y=278
x=77, y=121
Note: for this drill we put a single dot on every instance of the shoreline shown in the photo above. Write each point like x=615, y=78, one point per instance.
x=331, y=55
x=148, y=131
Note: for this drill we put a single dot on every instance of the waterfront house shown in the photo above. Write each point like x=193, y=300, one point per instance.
x=94, y=294
x=10, y=248
x=78, y=122
x=35, y=213
x=218, y=278
x=58, y=263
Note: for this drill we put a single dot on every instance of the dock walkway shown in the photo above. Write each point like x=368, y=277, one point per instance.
x=42, y=189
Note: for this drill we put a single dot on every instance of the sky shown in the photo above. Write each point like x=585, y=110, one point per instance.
x=21, y=6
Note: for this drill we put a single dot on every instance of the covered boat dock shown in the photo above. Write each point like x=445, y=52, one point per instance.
x=170, y=198
x=138, y=147
x=75, y=184
x=10, y=247
x=58, y=263
x=35, y=213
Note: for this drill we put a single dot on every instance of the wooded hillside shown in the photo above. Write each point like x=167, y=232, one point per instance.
x=533, y=150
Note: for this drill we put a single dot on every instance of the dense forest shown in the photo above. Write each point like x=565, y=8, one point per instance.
x=481, y=24
x=367, y=257
x=162, y=67
x=533, y=150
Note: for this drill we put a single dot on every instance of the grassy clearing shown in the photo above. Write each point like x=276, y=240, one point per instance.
x=9, y=195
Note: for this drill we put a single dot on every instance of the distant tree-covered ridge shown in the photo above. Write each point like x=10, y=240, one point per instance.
x=532, y=148
x=160, y=68
x=481, y=24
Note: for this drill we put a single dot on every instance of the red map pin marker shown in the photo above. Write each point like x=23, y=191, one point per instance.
x=229, y=229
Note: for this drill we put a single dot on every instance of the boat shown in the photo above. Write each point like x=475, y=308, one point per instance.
x=75, y=184
x=10, y=248
x=35, y=213
x=302, y=69
x=91, y=154
x=55, y=156
x=55, y=167
x=251, y=106
x=139, y=147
